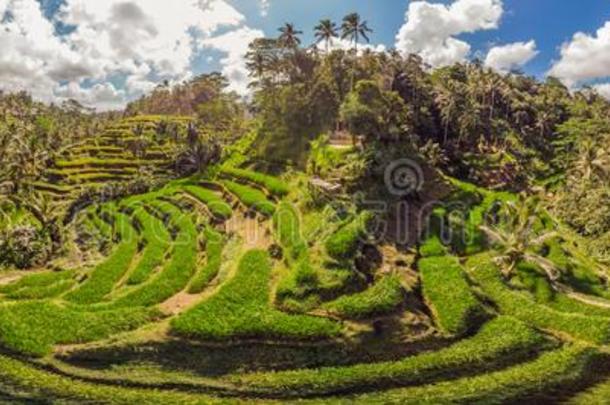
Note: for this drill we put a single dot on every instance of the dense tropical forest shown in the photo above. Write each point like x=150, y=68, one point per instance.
x=362, y=228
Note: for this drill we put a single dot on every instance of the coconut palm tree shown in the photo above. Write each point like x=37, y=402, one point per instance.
x=592, y=160
x=289, y=37
x=325, y=31
x=353, y=28
x=517, y=239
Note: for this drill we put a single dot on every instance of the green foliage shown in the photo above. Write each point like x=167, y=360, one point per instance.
x=214, y=246
x=500, y=339
x=287, y=226
x=274, y=185
x=344, y=243
x=485, y=273
x=385, y=296
x=217, y=206
x=432, y=246
x=240, y=310
x=103, y=278
x=448, y=294
x=251, y=197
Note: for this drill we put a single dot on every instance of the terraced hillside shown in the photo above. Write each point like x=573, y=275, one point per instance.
x=231, y=289
x=133, y=147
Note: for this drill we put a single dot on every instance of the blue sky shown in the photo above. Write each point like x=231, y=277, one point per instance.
x=107, y=52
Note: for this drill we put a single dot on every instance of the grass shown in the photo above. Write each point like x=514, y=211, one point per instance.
x=385, y=296
x=447, y=293
x=103, y=278
x=274, y=185
x=95, y=162
x=158, y=241
x=485, y=273
x=49, y=291
x=33, y=327
x=217, y=206
x=251, y=197
x=432, y=246
x=241, y=310
x=500, y=340
x=343, y=244
x=175, y=275
x=287, y=227
x=37, y=280
x=214, y=247
x=555, y=370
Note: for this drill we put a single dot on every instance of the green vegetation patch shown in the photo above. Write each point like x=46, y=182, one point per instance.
x=214, y=246
x=448, y=294
x=241, y=310
x=385, y=296
x=343, y=244
x=274, y=185
x=500, y=340
x=217, y=206
x=251, y=197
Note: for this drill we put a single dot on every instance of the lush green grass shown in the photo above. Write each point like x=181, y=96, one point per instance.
x=287, y=226
x=343, y=244
x=251, y=197
x=32, y=327
x=175, y=275
x=158, y=241
x=241, y=310
x=484, y=272
x=385, y=296
x=274, y=185
x=217, y=206
x=36, y=280
x=499, y=341
x=94, y=162
x=432, y=246
x=214, y=246
x=49, y=291
x=36, y=385
x=104, y=277
x=447, y=293
x=559, y=369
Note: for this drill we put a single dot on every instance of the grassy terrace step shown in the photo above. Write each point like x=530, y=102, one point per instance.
x=251, y=197
x=158, y=241
x=51, y=188
x=33, y=327
x=447, y=293
x=484, y=272
x=176, y=273
x=501, y=341
x=35, y=385
x=274, y=185
x=343, y=244
x=241, y=310
x=385, y=296
x=35, y=281
x=103, y=278
x=558, y=370
x=214, y=247
x=93, y=162
x=217, y=206
x=97, y=177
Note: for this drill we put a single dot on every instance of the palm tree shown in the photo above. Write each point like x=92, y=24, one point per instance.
x=592, y=160
x=289, y=37
x=353, y=28
x=517, y=238
x=325, y=31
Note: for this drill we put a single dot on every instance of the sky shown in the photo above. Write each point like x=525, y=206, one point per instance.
x=105, y=53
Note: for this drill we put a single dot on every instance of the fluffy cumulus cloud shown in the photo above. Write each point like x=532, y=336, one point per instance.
x=512, y=56
x=585, y=57
x=142, y=41
x=430, y=29
x=346, y=44
x=264, y=5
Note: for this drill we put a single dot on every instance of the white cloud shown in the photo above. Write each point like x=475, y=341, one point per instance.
x=603, y=90
x=584, y=58
x=140, y=40
x=235, y=45
x=264, y=6
x=511, y=56
x=345, y=44
x=430, y=28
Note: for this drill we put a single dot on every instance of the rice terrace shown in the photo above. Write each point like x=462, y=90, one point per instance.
x=197, y=207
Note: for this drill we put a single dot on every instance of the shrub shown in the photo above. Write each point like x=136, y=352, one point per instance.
x=343, y=244
x=273, y=184
x=385, y=296
x=241, y=310
x=23, y=246
x=448, y=294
